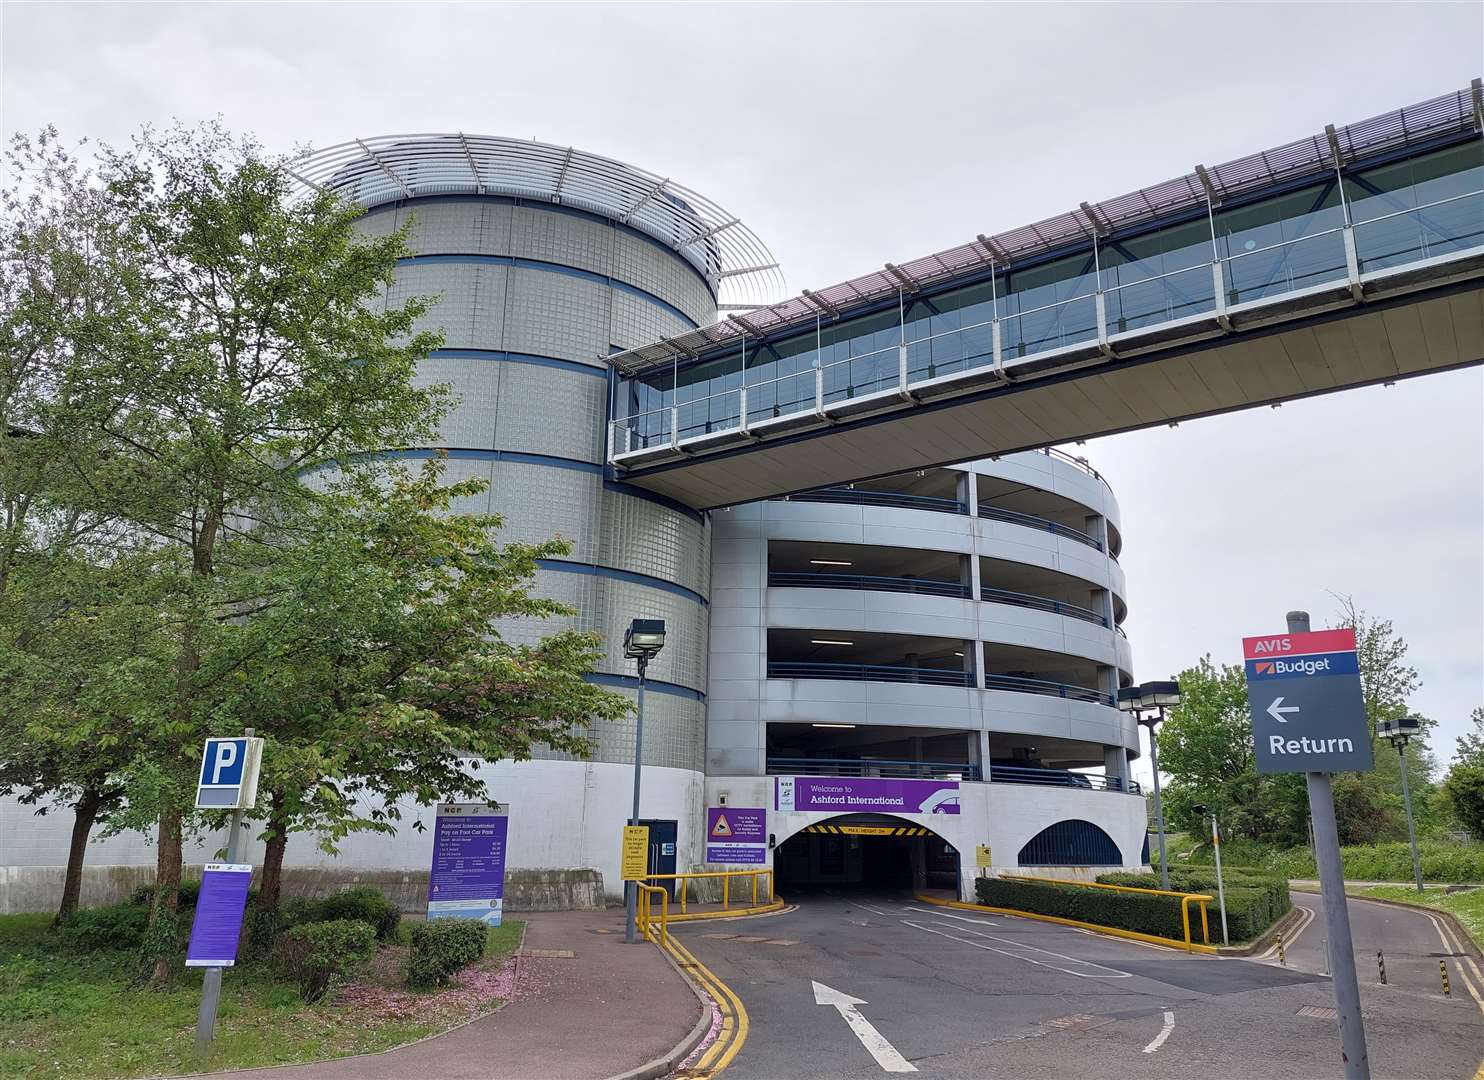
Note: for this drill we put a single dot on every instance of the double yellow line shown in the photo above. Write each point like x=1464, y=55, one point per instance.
x=734, y=1021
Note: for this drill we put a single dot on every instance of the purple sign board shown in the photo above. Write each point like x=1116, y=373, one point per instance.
x=865, y=794
x=219, y=910
x=468, y=874
x=736, y=834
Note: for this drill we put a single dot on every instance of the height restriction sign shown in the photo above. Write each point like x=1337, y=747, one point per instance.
x=1308, y=713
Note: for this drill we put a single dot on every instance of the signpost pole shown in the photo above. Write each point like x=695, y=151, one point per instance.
x=1159, y=813
x=1220, y=885
x=1336, y=915
x=211, y=986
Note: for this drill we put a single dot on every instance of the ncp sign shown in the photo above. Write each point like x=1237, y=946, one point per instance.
x=1308, y=713
x=229, y=774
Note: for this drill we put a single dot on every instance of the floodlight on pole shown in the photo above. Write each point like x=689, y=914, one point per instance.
x=1399, y=730
x=1148, y=703
x=642, y=642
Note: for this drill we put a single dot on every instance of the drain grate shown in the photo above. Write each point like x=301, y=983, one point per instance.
x=550, y=954
x=1318, y=1012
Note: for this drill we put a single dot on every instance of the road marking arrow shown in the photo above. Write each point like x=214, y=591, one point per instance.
x=884, y=1052
x=1277, y=709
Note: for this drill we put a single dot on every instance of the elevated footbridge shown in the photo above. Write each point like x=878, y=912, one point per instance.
x=1348, y=258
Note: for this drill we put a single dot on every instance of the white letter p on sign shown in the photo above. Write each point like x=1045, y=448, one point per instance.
x=226, y=756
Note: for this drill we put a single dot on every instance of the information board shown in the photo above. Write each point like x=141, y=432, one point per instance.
x=218, y=922
x=467, y=878
x=634, y=864
x=736, y=834
x=1308, y=712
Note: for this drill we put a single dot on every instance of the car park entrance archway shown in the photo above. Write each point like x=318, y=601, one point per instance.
x=873, y=853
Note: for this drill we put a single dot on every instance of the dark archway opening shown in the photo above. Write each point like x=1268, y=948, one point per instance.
x=864, y=854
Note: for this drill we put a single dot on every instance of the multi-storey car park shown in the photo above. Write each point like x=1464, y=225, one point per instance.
x=843, y=602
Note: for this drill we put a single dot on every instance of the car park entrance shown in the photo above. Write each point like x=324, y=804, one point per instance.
x=870, y=853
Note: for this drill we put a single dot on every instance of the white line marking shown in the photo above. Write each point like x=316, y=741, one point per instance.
x=1115, y=973
x=1164, y=1032
x=875, y=1043
x=1445, y=935
x=1305, y=918
x=959, y=918
x=877, y=911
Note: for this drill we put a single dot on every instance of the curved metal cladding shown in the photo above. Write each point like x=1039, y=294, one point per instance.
x=543, y=261
x=981, y=561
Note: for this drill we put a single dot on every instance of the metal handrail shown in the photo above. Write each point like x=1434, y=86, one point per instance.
x=643, y=912
x=1186, y=899
x=1076, y=462
x=1004, y=596
x=1022, y=685
x=1417, y=209
x=1028, y=774
x=726, y=876
x=866, y=582
x=871, y=497
x=802, y=669
x=1015, y=517
x=882, y=767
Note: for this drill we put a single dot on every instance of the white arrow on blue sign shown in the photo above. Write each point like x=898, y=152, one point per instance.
x=229, y=774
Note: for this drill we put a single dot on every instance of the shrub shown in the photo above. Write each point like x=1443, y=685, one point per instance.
x=1140, y=912
x=318, y=955
x=190, y=892
x=263, y=927
x=119, y=926
x=443, y=947
x=1254, y=900
x=368, y=905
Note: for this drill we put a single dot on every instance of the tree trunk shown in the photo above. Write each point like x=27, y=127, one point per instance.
x=167, y=890
x=271, y=883
x=84, y=813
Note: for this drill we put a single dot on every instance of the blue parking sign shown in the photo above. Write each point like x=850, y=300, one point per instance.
x=229, y=774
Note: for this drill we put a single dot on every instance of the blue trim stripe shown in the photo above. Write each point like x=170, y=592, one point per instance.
x=523, y=358
x=550, y=208
x=595, y=570
x=469, y=453
x=553, y=268
x=628, y=682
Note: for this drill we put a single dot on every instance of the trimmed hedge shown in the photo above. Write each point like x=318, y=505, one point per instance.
x=317, y=955
x=443, y=947
x=1254, y=900
x=368, y=905
x=1140, y=912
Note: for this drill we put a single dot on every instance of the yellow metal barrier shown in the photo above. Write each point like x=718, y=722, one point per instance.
x=1186, y=899
x=644, y=912
x=726, y=876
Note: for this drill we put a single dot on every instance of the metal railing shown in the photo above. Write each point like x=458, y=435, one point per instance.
x=1020, y=684
x=1015, y=517
x=900, y=770
x=1387, y=241
x=1029, y=774
x=653, y=929
x=800, y=669
x=870, y=497
x=1057, y=607
x=868, y=582
x=682, y=887
x=1186, y=899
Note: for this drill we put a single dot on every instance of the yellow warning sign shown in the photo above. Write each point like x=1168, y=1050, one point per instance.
x=722, y=829
x=635, y=863
x=867, y=830
x=983, y=857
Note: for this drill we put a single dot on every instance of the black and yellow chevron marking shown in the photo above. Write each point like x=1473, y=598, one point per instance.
x=869, y=830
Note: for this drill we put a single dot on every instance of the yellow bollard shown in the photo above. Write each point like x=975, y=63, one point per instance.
x=1282, y=958
x=754, y=888
x=1443, y=970
x=1381, y=963
x=726, y=890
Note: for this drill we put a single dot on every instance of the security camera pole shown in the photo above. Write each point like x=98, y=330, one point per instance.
x=642, y=642
x=1220, y=885
x=1399, y=731
x=1308, y=716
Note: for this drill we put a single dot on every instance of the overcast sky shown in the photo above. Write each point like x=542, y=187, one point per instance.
x=847, y=136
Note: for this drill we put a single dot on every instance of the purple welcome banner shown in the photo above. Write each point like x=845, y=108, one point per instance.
x=864, y=794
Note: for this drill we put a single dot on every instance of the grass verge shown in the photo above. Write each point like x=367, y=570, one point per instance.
x=68, y=1015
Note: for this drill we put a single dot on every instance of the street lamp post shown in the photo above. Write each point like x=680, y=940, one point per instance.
x=1148, y=703
x=1399, y=731
x=641, y=643
x=1220, y=885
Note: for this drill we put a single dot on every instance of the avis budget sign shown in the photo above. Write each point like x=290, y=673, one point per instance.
x=1308, y=713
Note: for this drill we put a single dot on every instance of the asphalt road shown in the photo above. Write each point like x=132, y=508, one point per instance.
x=957, y=994
x=1413, y=941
